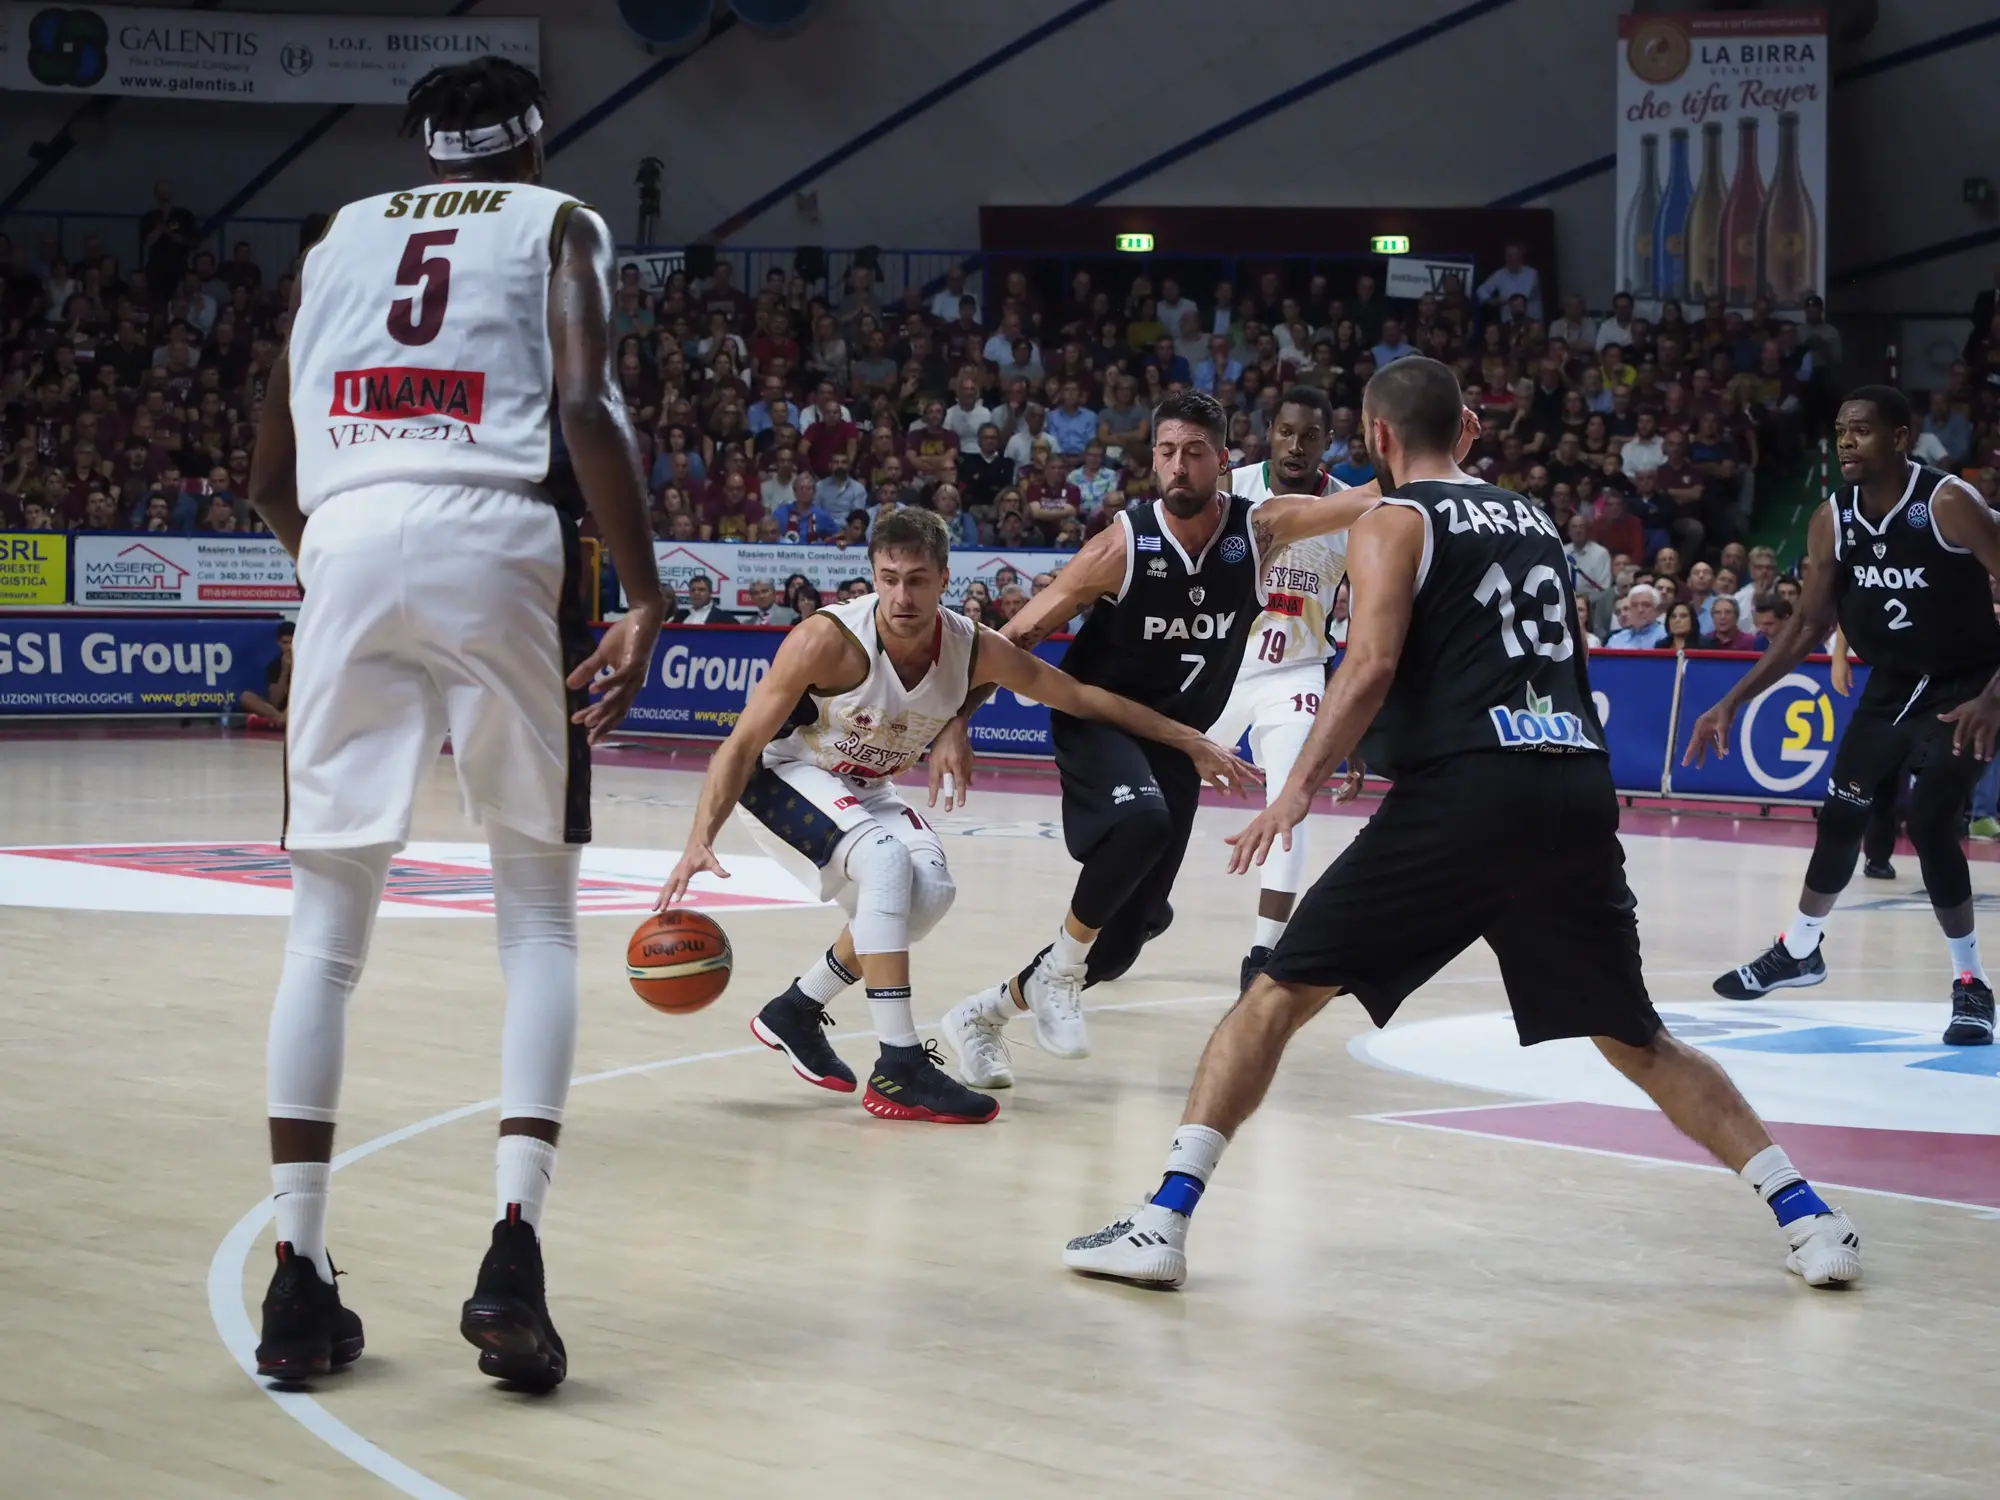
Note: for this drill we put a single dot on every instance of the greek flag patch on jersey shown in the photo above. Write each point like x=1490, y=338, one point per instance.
x=1146, y=543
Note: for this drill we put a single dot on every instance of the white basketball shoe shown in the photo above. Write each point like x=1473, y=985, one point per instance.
x=973, y=1032
x=1825, y=1250
x=1148, y=1246
x=1056, y=997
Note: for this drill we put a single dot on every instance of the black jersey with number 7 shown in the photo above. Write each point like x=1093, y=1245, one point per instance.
x=1491, y=661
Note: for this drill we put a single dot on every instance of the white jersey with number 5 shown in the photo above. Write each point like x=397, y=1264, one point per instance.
x=420, y=352
x=1299, y=582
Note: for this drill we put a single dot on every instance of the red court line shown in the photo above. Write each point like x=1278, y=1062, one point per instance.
x=1918, y=1163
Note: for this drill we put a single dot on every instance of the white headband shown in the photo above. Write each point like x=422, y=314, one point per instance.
x=482, y=140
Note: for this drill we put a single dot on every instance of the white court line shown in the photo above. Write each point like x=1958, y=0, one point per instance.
x=232, y=1316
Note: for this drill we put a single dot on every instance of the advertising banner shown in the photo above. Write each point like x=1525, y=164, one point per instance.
x=1634, y=691
x=257, y=58
x=1781, y=749
x=184, y=572
x=34, y=567
x=731, y=567
x=1414, y=276
x=1722, y=158
x=62, y=666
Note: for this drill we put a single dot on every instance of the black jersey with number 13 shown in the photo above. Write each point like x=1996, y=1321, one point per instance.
x=1491, y=661
x=1911, y=604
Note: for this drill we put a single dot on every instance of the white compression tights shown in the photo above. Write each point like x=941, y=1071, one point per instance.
x=335, y=893
x=1277, y=752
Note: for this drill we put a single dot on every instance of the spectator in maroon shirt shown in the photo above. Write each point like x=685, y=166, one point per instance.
x=932, y=447
x=733, y=515
x=1725, y=631
x=1616, y=530
x=831, y=433
x=1050, y=497
x=773, y=341
x=722, y=295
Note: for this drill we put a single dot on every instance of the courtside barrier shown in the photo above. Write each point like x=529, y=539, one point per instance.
x=74, y=666
x=1648, y=701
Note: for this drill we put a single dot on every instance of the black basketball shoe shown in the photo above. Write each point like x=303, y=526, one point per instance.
x=306, y=1330
x=1773, y=969
x=796, y=1026
x=507, y=1317
x=1161, y=919
x=1971, y=1013
x=910, y=1083
x=1253, y=965
x=1878, y=869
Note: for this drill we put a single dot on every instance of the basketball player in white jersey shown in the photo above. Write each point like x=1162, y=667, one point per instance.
x=855, y=695
x=1284, y=670
x=408, y=459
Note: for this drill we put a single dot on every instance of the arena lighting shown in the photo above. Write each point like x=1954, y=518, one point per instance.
x=1389, y=244
x=1135, y=244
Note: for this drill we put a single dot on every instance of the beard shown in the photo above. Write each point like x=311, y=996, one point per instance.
x=1186, y=501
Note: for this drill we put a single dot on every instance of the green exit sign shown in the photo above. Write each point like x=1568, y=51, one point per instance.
x=1389, y=244
x=1135, y=244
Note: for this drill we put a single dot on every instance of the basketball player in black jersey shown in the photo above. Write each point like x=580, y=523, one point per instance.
x=1900, y=557
x=1501, y=824
x=1171, y=591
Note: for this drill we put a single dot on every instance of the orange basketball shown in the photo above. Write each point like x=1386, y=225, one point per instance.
x=678, y=961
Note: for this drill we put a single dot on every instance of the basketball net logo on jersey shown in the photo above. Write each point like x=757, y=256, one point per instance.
x=1300, y=582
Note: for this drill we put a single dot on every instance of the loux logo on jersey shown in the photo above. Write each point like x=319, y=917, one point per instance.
x=1889, y=578
x=1537, y=725
x=1200, y=628
x=394, y=391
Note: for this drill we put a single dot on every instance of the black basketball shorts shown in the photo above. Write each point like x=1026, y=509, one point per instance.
x=1517, y=847
x=1108, y=774
x=1896, y=725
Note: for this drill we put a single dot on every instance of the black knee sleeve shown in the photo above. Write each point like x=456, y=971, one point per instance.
x=1123, y=858
x=1935, y=808
x=1843, y=820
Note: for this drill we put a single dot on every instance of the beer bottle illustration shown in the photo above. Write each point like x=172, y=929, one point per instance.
x=1645, y=207
x=1704, y=224
x=1670, y=262
x=1740, y=216
x=1788, y=233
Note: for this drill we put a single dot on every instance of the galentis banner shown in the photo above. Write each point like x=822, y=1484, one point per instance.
x=260, y=58
x=1722, y=158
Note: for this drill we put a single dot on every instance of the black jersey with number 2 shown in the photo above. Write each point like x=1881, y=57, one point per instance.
x=1491, y=661
x=1911, y=604
x=1173, y=636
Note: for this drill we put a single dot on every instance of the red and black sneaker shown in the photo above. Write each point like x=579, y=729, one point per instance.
x=306, y=1330
x=796, y=1026
x=910, y=1083
x=507, y=1316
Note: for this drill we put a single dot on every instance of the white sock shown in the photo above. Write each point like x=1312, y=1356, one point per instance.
x=1069, y=953
x=997, y=1004
x=523, y=1168
x=1803, y=935
x=825, y=979
x=1965, y=956
x=890, y=1008
x=1269, y=930
x=1196, y=1150
x=300, y=1188
x=1770, y=1171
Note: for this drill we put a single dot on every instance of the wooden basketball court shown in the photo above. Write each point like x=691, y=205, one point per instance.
x=1434, y=1265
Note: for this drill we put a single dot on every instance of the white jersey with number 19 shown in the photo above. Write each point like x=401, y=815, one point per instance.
x=420, y=351
x=1299, y=584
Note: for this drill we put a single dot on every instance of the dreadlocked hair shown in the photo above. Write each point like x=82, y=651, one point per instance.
x=467, y=95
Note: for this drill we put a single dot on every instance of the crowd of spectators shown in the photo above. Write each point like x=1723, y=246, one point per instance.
x=793, y=412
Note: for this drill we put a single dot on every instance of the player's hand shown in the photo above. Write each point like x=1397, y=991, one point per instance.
x=698, y=859
x=1711, y=732
x=1270, y=827
x=1221, y=768
x=1974, y=726
x=1350, y=784
x=951, y=766
x=616, y=670
x=1841, y=672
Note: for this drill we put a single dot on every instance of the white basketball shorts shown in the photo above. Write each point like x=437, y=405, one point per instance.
x=1284, y=701
x=432, y=610
x=805, y=818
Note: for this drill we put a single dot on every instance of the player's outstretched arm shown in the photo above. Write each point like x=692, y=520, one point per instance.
x=1796, y=639
x=1003, y=663
x=1284, y=519
x=274, y=462
x=1964, y=521
x=1384, y=551
x=1097, y=569
x=816, y=653
x=606, y=458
